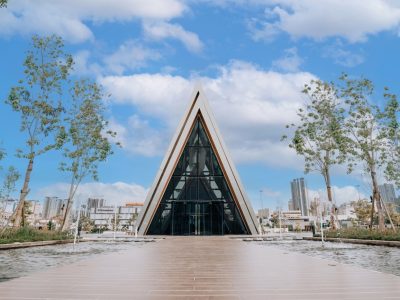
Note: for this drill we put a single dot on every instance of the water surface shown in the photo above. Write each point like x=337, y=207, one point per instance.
x=378, y=258
x=20, y=262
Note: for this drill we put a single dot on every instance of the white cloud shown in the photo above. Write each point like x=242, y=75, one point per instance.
x=353, y=20
x=163, y=30
x=113, y=193
x=139, y=137
x=341, y=195
x=84, y=67
x=69, y=18
x=160, y=95
x=251, y=105
x=129, y=56
x=290, y=62
x=343, y=57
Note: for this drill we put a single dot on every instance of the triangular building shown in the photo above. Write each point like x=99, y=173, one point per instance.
x=197, y=190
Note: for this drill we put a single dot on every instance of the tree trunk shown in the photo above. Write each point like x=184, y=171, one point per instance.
x=18, y=215
x=330, y=199
x=327, y=176
x=377, y=198
x=65, y=221
x=372, y=212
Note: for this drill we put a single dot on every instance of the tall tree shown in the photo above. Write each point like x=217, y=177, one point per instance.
x=319, y=135
x=87, y=138
x=37, y=98
x=3, y=3
x=392, y=111
x=392, y=125
x=367, y=133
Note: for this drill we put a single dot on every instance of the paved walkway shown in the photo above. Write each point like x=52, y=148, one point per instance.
x=204, y=268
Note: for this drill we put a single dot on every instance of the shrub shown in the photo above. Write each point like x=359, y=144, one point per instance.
x=30, y=234
x=363, y=234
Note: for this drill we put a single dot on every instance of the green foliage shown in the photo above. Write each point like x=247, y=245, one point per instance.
x=2, y=154
x=37, y=97
x=99, y=230
x=394, y=213
x=86, y=138
x=86, y=223
x=3, y=3
x=368, y=131
x=363, y=234
x=29, y=234
x=319, y=136
x=51, y=225
x=274, y=219
x=367, y=134
x=362, y=209
x=10, y=178
x=391, y=121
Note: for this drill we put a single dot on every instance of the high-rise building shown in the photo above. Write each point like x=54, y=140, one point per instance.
x=95, y=202
x=299, y=195
x=290, y=205
x=387, y=192
x=52, y=207
x=92, y=203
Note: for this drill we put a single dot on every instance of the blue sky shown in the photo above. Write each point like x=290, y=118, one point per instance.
x=252, y=58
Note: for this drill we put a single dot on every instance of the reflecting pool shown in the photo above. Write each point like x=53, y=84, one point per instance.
x=378, y=258
x=20, y=262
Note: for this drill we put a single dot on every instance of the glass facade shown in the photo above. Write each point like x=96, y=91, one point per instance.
x=197, y=200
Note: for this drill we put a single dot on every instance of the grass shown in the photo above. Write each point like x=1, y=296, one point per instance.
x=364, y=234
x=29, y=234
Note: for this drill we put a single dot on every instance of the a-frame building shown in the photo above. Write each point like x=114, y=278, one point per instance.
x=197, y=190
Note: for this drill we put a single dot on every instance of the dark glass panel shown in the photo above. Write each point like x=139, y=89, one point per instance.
x=194, y=136
x=197, y=200
x=203, y=139
x=192, y=189
x=215, y=165
x=180, y=167
x=205, y=193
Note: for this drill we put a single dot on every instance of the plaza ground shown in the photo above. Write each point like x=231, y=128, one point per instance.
x=204, y=268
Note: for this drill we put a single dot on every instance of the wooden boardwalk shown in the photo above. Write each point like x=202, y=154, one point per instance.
x=203, y=268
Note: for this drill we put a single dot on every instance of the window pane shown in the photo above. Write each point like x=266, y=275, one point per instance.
x=197, y=200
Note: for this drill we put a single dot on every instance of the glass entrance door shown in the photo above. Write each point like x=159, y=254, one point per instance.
x=197, y=218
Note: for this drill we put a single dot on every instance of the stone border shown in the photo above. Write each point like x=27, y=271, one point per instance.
x=18, y=245
x=357, y=241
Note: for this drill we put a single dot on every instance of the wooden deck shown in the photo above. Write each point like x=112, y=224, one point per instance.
x=204, y=268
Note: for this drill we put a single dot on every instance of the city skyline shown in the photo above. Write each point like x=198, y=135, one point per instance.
x=155, y=57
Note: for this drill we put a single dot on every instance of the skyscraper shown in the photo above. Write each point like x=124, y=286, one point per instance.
x=299, y=195
x=388, y=194
x=52, y=207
